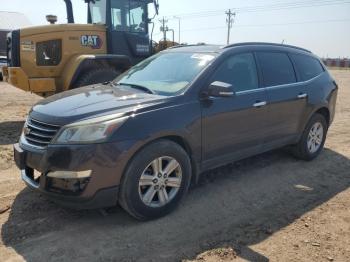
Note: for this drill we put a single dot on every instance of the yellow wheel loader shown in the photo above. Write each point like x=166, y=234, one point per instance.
x=53, y=58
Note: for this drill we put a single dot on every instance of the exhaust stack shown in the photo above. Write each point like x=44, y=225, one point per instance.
x=70, y=16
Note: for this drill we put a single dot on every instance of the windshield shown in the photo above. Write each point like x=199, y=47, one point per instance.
x=98, y=11
x=167, y=73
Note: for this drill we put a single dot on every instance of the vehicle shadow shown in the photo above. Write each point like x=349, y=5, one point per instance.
x=237, y=205
x=10, y=132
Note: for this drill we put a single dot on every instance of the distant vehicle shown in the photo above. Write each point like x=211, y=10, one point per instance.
x=3, y=62
x=142, y=139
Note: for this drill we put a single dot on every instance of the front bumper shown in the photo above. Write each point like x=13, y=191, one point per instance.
x=106, y=162
x=103, y=198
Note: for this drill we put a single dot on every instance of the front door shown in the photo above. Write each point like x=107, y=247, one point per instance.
x=233, y=127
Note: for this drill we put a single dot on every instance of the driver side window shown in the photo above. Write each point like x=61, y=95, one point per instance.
x=239, y=71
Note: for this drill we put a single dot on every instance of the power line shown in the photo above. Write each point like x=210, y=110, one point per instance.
x=266, y=25
x=264, y=8
x=272, y=7
x=293, y=6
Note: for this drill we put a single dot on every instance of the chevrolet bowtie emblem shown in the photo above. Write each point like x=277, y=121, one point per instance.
x=26, y=130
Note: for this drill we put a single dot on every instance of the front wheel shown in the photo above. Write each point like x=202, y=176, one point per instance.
x=312, y=139
x=156, y=180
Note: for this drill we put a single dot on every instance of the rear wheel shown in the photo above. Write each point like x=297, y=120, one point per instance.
x=312, y=139
x=155, y=180
x=95, y=76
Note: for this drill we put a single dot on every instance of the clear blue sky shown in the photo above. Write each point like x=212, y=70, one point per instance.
x=323, y=29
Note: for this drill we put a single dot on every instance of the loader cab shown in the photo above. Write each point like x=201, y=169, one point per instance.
x=127, y=26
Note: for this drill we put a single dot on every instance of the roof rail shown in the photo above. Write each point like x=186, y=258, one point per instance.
x=263, y=43
x=181, y=45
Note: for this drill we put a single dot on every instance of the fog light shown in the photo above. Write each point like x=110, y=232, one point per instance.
x=69, y=174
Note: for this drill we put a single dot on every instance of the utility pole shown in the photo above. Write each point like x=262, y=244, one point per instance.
x=163, y=27
x=173, y=31
x=179, y=19
x=229, y=21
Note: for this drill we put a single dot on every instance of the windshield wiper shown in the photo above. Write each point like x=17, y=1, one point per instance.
x=139, y=87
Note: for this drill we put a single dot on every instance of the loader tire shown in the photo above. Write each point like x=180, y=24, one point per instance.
x=96, y=76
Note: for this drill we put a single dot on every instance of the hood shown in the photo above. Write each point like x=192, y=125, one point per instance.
x=93, y=101
x=44, y=29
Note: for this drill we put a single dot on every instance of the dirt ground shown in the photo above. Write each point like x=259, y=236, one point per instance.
x=271, y=207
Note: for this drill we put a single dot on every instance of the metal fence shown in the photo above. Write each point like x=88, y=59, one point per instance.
x=337, y=62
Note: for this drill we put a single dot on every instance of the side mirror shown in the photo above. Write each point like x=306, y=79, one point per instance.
x=220, y=89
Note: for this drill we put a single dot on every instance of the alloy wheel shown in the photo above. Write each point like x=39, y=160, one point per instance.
x=315, y=137
x=160, y=181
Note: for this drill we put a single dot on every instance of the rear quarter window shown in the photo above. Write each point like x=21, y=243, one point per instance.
x=307, y=67
x=277, y=69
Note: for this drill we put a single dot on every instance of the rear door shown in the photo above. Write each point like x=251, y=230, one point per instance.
x=233, y=127
x=287, y=99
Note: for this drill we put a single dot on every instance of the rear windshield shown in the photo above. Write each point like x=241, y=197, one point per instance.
x=167, y=73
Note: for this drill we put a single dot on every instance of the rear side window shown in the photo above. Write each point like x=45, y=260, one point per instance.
x=307, y=67
x=277, y=69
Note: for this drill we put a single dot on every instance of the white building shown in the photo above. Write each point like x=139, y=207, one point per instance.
x=10, y=21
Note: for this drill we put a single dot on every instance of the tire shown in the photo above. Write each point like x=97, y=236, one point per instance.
x=302, y=150
x=131, y=193
x=96, y=76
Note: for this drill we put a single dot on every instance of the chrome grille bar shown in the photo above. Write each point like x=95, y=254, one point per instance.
x=38, y=133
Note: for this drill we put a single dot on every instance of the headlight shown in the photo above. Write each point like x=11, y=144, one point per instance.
x=89, y=131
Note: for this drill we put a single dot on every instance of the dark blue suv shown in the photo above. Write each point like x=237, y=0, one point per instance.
x=143, y=138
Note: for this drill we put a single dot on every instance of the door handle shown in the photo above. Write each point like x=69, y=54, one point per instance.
x=301, y=96
x=260, y=104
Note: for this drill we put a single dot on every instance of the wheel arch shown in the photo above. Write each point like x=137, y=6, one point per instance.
x=325, y=112
x=186, y=146
x=82, y=63
x=300, y=149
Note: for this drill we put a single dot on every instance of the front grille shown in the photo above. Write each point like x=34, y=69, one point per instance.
x=49, y=53
x=38, y=133
x=12, y=49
